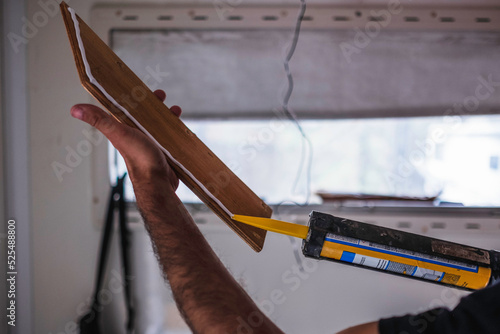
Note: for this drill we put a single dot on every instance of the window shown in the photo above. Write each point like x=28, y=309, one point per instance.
x=229, y=84
x=419, y=157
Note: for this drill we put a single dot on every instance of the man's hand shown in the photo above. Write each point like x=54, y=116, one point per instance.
x=145, y=161
x=206, y=294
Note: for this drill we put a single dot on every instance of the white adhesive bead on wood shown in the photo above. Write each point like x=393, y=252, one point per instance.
x=139, y=125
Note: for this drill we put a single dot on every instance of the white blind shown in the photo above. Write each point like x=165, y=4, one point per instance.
x=239, y=73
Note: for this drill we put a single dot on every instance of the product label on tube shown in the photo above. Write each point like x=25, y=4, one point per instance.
x=401, y=261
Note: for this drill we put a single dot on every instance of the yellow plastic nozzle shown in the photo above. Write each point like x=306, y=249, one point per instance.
x=273, y=225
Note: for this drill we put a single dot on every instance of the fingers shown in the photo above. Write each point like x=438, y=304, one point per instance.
x=176, y=110
x=161, y=94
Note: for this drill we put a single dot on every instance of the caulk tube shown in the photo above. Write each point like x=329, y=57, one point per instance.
x=396, y=252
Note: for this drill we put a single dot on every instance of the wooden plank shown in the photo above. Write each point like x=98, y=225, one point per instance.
x=169, y=131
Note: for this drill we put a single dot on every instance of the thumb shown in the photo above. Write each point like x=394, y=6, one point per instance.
x=102, y=121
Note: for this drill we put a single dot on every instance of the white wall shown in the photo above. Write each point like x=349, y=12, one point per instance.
x=65, y=240
x=15, y=130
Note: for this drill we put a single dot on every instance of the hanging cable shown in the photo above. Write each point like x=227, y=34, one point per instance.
x=307, y=149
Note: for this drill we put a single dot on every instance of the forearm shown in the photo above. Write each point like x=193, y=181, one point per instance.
x=207, y=295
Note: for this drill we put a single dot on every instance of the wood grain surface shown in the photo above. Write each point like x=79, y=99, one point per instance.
x=132, y=94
